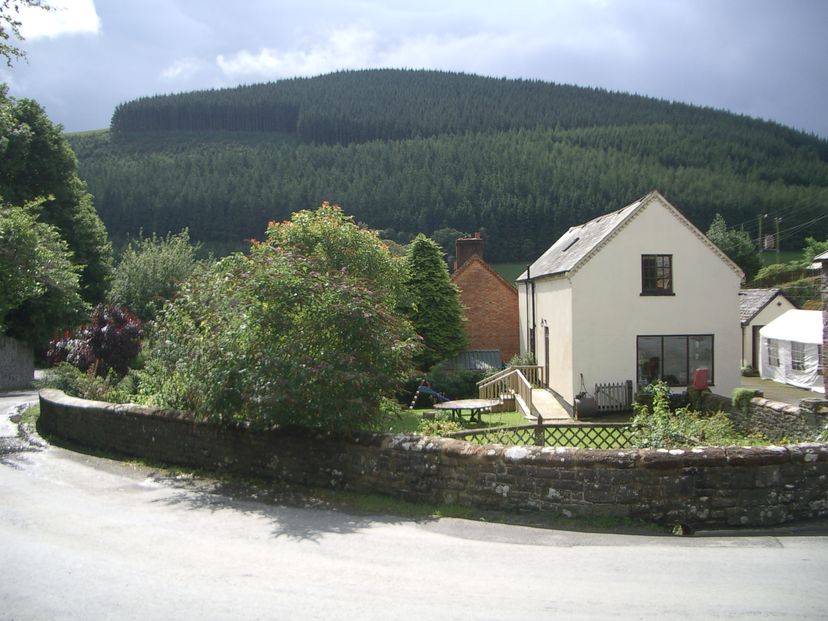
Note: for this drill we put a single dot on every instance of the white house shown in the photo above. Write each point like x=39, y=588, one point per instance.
x=757, y=308
x=637, y=294
x=791, y=350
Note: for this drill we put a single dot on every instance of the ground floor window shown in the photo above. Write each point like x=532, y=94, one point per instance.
x=797, y=356
x=773, y=353
x=673, y=358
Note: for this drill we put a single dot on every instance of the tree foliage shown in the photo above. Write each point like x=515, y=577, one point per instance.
x=37, y=163
x=39, y=288
x=10, y=26
x=279, y=337
x=150, y=272
x=340, y=244
x=435, y=308
x=410, y=151
x=735, y=244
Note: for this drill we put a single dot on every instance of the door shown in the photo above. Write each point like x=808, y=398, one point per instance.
x=754, y=347
x=546, y=356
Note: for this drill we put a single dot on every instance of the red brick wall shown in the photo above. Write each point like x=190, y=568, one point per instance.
x=491, y=308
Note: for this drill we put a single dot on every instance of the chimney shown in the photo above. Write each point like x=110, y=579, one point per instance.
x=467, y=247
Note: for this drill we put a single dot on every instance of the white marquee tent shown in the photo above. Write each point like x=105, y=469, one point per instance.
x=791, y=350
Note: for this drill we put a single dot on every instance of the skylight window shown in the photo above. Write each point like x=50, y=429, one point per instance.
x=572, y=243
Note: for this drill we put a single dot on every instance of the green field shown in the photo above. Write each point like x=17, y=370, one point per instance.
x=509, y=271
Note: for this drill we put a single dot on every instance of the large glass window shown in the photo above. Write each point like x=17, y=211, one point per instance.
x=797, y=356
x=656, y=274
x=673, y=358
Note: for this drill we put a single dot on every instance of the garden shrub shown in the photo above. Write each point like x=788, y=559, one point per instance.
x=438, y=427
x=455, y=383
x=279, y=338
x=741, y=398
x=659, y=427
x=110, y=341
x=88, y=385
x=150, y=272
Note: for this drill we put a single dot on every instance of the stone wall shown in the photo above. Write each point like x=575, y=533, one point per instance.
x=775, y=420
x=701, y=487
x=16, y=364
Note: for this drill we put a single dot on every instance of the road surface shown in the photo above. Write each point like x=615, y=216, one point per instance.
x=88, y=538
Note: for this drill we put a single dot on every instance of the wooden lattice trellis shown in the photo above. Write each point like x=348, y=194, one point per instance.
x=588, y=435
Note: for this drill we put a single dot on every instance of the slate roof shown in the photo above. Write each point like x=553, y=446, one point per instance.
x=579, y=242
x=477, y=260
x=752, y=301
x=477, y=360
x=574, y=245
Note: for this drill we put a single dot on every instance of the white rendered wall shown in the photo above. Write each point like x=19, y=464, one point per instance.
x=778, y=306
x=609, y=311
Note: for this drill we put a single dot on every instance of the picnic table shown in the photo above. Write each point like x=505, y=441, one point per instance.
x=474, y=406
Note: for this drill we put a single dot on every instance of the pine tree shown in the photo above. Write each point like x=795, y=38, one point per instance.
x=435, y=308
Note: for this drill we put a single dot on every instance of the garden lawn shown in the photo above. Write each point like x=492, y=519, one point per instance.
x=409, y=420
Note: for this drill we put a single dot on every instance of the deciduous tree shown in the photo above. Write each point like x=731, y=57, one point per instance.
x=150, y=272
x=39, y=288
x=36, y=162
x=302, y=331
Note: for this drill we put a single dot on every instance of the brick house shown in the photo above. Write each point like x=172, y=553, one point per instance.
x=490, y=303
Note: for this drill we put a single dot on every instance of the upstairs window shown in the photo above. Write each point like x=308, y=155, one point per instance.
x=656, y=274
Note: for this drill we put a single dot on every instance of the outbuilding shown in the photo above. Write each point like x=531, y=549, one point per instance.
x=791, y=350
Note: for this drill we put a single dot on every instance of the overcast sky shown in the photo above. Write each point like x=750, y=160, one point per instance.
x=763, y=58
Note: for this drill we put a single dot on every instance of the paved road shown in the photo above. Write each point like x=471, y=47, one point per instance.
x=87, y=538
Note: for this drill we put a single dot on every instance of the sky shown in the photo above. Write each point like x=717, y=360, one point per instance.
x=761, y=58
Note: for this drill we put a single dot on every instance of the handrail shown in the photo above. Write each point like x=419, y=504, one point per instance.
x=532, y=372
x=496, y=376
x=510, y=381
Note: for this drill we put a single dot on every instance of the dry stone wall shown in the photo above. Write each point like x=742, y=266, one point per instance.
x=700, y=487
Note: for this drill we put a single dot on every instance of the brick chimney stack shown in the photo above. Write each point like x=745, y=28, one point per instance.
x=467, y=247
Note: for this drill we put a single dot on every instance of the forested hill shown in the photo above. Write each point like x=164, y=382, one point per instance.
x=411, y=151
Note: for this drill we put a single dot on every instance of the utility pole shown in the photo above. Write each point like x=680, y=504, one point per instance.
x=761, y=217
x=778, y=220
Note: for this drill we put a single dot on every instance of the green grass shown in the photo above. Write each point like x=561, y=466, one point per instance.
x=409, y=421
x=509, y=271
x=771, y=257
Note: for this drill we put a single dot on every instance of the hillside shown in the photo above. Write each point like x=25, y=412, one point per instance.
x=411, y=151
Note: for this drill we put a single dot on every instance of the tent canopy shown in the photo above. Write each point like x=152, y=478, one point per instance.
x=802, y=326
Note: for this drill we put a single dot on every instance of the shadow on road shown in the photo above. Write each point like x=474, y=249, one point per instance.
x=295, y=513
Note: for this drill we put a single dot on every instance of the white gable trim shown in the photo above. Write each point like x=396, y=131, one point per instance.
x=655, y=195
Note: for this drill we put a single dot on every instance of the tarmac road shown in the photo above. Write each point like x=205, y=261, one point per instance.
x=88, y=538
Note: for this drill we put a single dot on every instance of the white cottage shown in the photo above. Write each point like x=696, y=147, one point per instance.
x=757, y=308
x=638, y=294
